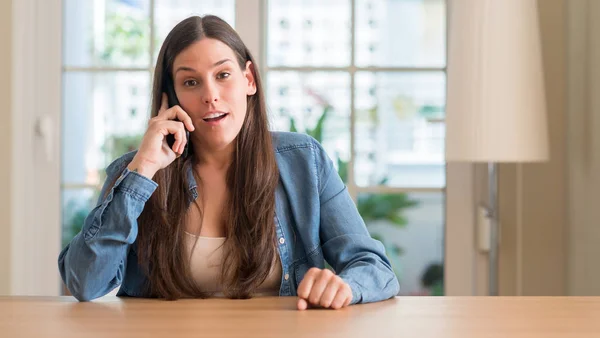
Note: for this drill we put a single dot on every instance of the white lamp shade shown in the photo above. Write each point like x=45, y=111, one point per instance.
x=496, y=108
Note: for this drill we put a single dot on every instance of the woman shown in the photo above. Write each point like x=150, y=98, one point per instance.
x=247, y=212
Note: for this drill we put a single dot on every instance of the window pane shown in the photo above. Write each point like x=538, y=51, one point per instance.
x=411, y=227
x=308, y=33
x=403, y=33
x=106, y=33
x=314, y=103
x=169, y=13
x=400, y=129
x=104, y=116
x=76, y=205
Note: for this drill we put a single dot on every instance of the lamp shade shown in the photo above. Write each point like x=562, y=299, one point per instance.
x=496, y=108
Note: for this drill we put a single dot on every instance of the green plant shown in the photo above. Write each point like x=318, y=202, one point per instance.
x=118, y=145
x=372, y=207
x=125, y=38
x=433, y=279
x=431, y=112
x=74, y=215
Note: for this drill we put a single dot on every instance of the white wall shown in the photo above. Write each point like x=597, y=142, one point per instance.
x=5, y=141
x=583, y=120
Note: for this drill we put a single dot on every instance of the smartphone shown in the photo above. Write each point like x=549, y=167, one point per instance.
x=172, y=101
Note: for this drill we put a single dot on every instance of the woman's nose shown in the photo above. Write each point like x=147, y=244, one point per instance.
x=210, y=95
x=209, y=99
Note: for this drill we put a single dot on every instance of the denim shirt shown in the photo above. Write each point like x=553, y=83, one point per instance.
x=315, y=218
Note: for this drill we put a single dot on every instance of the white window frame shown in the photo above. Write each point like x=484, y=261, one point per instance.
x=38, y=69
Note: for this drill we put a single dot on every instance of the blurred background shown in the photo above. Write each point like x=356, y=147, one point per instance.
x=367, y=78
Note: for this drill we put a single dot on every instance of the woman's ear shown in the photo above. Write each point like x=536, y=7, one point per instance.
x=249, y=73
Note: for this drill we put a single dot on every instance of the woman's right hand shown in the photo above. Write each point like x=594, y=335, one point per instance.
x=154, y=152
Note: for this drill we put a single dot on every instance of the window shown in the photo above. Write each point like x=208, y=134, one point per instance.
x=364, y=77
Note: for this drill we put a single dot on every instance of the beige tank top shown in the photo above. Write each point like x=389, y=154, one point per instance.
x=205, y=265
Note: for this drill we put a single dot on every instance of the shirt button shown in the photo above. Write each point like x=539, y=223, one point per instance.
x=281, y=240
x=287, y=276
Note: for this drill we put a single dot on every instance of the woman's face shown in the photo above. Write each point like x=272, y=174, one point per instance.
x=212, y=89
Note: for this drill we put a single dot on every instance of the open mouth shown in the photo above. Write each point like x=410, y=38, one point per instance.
x=215, y=117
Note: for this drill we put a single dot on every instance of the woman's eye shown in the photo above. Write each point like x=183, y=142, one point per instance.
x=190, y=83
x=223, y=75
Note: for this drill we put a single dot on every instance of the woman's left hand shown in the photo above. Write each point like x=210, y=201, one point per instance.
x=322, y=288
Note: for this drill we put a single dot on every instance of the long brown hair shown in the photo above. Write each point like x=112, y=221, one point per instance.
x=251, y=181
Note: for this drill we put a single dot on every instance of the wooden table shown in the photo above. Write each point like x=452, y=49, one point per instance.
x=111, y=317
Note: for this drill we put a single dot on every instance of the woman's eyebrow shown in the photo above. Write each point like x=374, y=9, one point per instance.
x=218, y=63
x=190, y=69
